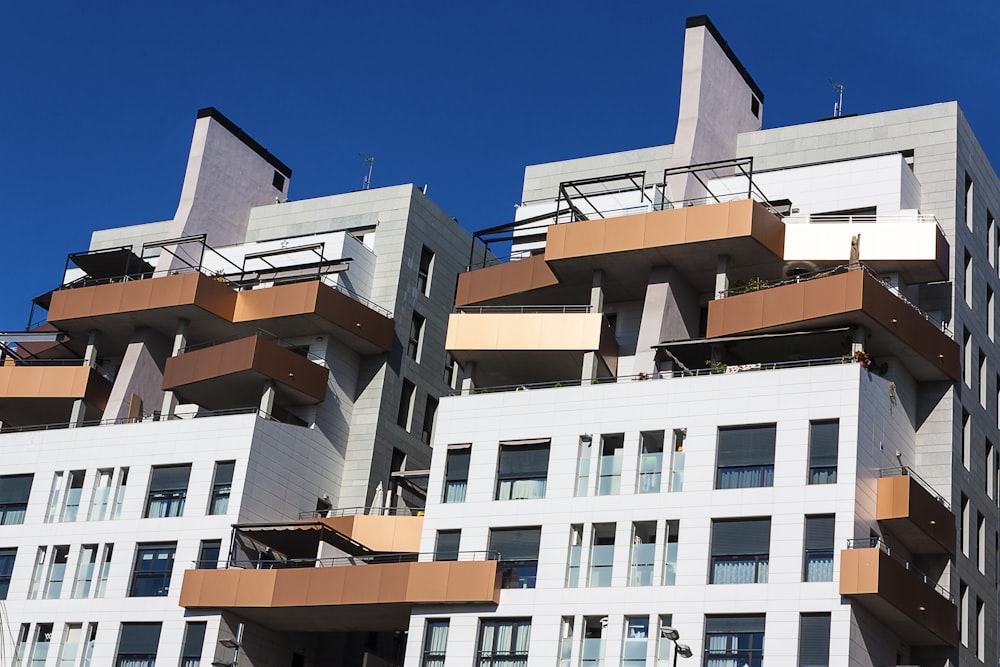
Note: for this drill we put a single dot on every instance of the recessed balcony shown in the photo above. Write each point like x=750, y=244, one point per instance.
x=919, y=519
x=530, y=345
x=904, y=600
x=44, y=391
x=232, y=375
x=857, y=298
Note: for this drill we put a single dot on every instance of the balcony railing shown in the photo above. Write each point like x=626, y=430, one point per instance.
x=906, y=471
x=877, y=542
x=525, y=309
x=155, y=417
x=14, y=361
x=342, y=561
x=362, y=511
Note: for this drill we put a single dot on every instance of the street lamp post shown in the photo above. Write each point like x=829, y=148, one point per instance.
x=682, y=650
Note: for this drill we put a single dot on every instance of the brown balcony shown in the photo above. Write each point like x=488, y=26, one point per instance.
x=848, y=298
x=44, y=394
x=385, y=533
x=900, y=597
x=919, y=519
x=525, y=346
x=311, y=306
x=232, y=375
x=341, y=598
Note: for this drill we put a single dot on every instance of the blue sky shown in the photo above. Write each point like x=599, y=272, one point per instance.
x=98, y=99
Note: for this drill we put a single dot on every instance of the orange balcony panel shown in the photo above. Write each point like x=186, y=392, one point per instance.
x=899, y=597
x=851, y=298
x=231, y=375
x=389, y=534
x=489, y=284
x=914, y=516
x=288, y=310
x=358, y=597
x=45, y=394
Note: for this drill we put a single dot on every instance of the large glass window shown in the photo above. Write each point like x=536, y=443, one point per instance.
x=503, y=643
x=435, y=643
x=734, y=640
x=74, y=490
x=116, y=509
x=643, y=553
x=137, y=645
x=814, y=640
x=7, y=557
x=670, y=555
x=57, y=572
x=583, y=464
x=823, y=444
x=425, y=271
x=405, y=413
x=818, y=556
x=167, y=491
x=101, y=496
x=522, y=469
x=208, y=554
x=636, y=636
x=55, y=493
x=566, y=641
x=677, y=460
x=85, y=570
x=602, y=554
x=456, y=474
x=14, y=490
x=740, y=550
x=40, y=645
x=415, y=343
x=650, y=461
x=447, y=544
x=104, y=570
x=430, y=412
x=592, y=650
x=517, y=549
x=154, y=564
x=222, y=486
x=746, y=457
x=72, y=633
x=194, y=639
x=609, y=475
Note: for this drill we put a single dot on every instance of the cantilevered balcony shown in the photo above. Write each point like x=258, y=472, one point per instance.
x=529, y=345
x=920, y=519
x=232, y=375
x=343, y=594
x=44, y=391
x=903, y=599
x=856, y=298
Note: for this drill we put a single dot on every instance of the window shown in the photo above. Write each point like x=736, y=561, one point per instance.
x=40, y=645
x=137, y=645
x=116, y=509
x=650, y=461
x=573, y=558
x=566, y=641
x=208, y=554
x=194, y=639
x=430, y=410
x=818, y=561
x=415, y=344
x=991, y=324
x=746, y=457
x=592, y=651
x=405, y=412
x=814, y=640
x=636, y=636
x=823, y=444
x=966, y=440
x=517, y=549
x=965, y=526
x=14, y=490
x=522, y=469
x=456, y=473
x=104, y=570
x=7, y=556
x=85, y=570
x=71, y=503
x=677, y=460
x=278, y=181
x=740, y=550
x=969, y=222
x=982, y=378
x=670, y=558
x=967, y=356
x=88, y=649
x=37, y=572
x=425, y=271
x=991, y=238
x=447, y=544
x=22, y=640
x=222, y=486
x=504, y=643
x=70, y=644
x=154, y=564
x=602, y=554
x=583, y=464
x=101, y=495
x=664, y=645
x=734, y=640
x=449, y=371
x=167, y=491
x=435, y=643
x=643, y=553
x=57, y=572
x=963, y=611
x=980, y=631
x=968, y=279
x=981, y=542
x=55, y=493
x=609, y=475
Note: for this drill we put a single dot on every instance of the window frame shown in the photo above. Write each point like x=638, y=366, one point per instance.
x=741, y=461
x=517, y=569
x=737, y=547
x=506, y=479
x=495, y=657
x=140, y=576
x=173, y=497
x=221, y=488
x=9, y=506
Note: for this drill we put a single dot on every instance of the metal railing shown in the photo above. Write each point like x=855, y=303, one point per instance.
x=342, y=561
x=362, y=511
x=876, y=218
x=906, y=471
x=640, y=377
x=262, y=333
x=879, y=543
x=154, y=417
x=525, y=309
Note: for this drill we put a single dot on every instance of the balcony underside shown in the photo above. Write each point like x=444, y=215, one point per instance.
x=898, y=596
x=347, y=598
x=233, y=374
x=914, y=516
x=853, y=298
x=46, y=394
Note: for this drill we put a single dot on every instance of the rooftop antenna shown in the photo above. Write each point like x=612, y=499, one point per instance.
x=838, y=106
x=370, y=159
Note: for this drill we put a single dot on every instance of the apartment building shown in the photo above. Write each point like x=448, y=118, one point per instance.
x=732, y=401
x=254, y=360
